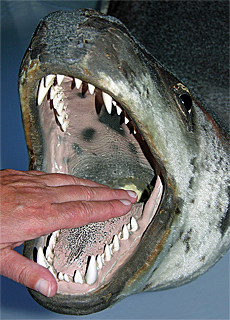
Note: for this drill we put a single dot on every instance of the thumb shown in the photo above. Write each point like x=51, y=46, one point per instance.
x=25, y=271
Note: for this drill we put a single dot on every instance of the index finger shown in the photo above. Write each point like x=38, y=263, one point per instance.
x=61, y=179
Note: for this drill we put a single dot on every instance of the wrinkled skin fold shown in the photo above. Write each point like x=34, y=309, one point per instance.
x=181, y=144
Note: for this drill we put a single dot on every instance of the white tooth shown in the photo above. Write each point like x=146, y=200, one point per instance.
x=42, y=91
x=91, y=88
x=77, y=277
x=66, y=277
x=53, y=92
x=103, y=258
x=116, y=245
x=126, y=120
x=134, y=131
x=49, y=80
x=119, y=110
x=61, y=118
x=41, y=258
x=56, y=100
x=133, y=224
x=60, y=276
x=65, y=125
x=56, y=234
x=107, y=253
x=125, y=233
x=52, y=241
x=107, y=101
x=99, y=262
x=60, y=78
x=91, y=273
x=49, y=252
x=111, y=248
x=49, y=259
x=114, y=103
x=78, y=83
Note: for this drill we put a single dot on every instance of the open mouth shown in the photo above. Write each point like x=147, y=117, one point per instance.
x=88, y=134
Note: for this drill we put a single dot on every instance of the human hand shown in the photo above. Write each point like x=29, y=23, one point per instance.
x=35, y=203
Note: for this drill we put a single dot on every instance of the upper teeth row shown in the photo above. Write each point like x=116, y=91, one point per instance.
x=95, y=263
x=58, y=103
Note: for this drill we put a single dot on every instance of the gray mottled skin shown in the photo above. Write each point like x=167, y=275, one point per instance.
x=191, y=152
x=196, y=49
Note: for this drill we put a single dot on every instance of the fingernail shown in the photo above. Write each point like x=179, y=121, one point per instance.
x=126, y=202
x=43, y=287
x=132, y=194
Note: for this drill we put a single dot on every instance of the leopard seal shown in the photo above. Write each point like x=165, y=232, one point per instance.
x=96, y=104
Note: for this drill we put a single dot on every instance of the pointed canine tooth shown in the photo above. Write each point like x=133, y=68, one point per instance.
x=77, y=277
x=42, y=91
x=119, y=110
x=107, y=253
x=134, y=131
x=126, y=120
x=60, y=276
x=116, y=245
x=91, y=273
x=99, y=262
x=49, y=80
x=60, y=78
x=107, y=101
x=66, y=277
x=125, y=233
x=91, y=88
x=41, y=258
x=78, y=83
x=133, y=224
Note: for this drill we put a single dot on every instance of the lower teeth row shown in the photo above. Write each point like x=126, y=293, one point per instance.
x=95, y=263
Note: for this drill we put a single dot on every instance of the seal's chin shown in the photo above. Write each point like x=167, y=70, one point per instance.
x=88, y=134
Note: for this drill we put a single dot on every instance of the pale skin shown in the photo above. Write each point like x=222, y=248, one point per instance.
x=35, y=203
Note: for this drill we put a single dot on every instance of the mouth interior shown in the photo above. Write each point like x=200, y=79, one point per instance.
x=88, y=134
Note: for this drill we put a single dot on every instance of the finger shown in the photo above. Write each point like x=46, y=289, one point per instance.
x=75, y=214
x=77, y=193
x=59, y=179
x=30, y=274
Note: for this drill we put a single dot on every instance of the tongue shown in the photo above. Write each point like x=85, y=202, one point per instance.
x=75, y=246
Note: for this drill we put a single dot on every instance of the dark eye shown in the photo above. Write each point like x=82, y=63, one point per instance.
x=187, y=101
